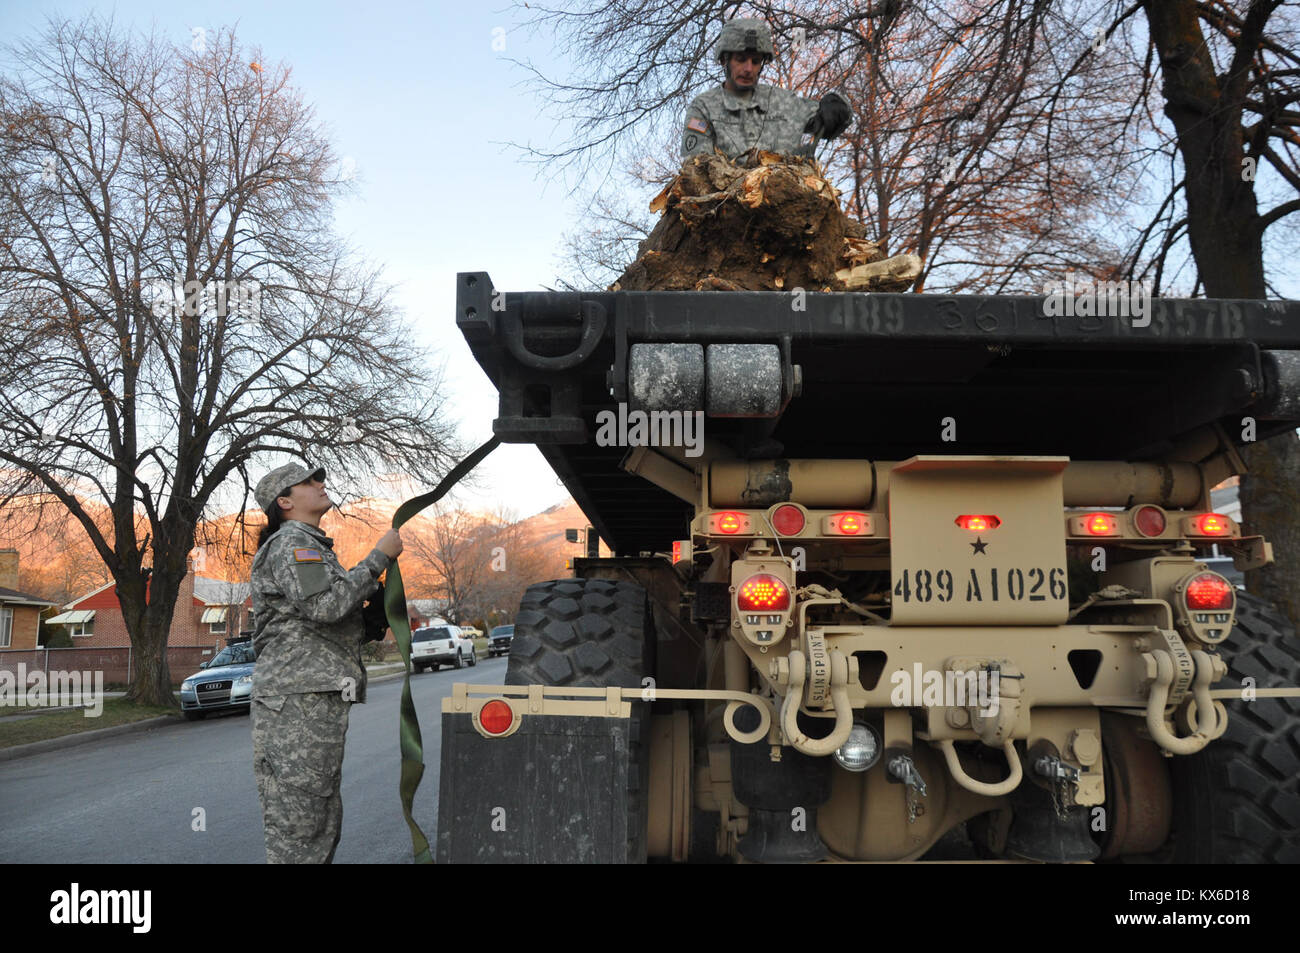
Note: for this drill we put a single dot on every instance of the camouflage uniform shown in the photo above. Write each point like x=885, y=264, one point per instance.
x=308, y=634
x=770, y=118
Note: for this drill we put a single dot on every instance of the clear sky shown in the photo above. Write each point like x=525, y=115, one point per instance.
x=421, y=97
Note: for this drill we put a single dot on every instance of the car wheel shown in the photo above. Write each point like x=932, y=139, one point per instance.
x=473, y=658
x=460, y=660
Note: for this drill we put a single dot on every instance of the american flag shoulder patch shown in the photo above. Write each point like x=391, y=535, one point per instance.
x=307, y=556
x=696, y=124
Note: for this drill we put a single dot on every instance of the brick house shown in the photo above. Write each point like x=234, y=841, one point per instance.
x=20, y=613
x=207, y=611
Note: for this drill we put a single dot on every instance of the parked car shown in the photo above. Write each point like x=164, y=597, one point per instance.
x=437, y=645
x=225, y=684
x=500, y=639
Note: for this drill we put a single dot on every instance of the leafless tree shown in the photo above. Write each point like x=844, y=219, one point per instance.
x=176, y=312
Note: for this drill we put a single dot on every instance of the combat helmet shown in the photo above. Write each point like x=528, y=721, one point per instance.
x=745, y=34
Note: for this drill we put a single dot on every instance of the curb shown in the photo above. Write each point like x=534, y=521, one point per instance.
x=83, y=737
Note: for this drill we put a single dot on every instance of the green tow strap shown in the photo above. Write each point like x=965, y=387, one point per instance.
x=395, y=608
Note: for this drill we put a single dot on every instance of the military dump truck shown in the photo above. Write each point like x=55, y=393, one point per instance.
x=895, y=577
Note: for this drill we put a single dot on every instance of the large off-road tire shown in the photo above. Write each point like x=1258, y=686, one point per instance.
x=599, y=633
x=1239, y=800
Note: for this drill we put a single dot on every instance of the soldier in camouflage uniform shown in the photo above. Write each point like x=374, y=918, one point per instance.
x=308, y=633
x=743, y=114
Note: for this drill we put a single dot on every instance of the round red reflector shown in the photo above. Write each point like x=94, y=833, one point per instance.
x=496, y=717
x=1212, y=524
x=1149, y=520
x=763, y=593
x=728, y=522
x=788, y=520
x=850, y=524
x=1209, y=591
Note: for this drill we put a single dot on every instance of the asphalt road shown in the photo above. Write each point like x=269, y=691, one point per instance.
x=133, y=798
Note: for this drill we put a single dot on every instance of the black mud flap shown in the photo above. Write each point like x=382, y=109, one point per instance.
x=554, y=792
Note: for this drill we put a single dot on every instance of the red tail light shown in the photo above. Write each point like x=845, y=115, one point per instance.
x=730, y=522
x=1212, y=524
x=1100, y=524
x=763, y=593
x=1210, y=591
x=788, y=520
x=978, y=524
x=677, y=550
x=848, y=524
x=496, y=717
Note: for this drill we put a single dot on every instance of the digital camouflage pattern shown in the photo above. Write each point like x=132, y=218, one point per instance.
x=308, y=625
x=770, y=118
x=298, y=762
x=308, y=631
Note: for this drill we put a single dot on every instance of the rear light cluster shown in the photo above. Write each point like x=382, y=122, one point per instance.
x=789, y=519
x=1210, y=602
x=1149, y=522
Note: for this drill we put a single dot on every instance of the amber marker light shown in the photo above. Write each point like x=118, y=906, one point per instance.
x=763, y=593
x=1212, y=524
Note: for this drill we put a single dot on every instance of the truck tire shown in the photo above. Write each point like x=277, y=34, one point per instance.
x=1238, y=801
x=597, y=633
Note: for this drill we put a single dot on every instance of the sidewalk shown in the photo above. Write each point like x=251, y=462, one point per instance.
x=374, y=674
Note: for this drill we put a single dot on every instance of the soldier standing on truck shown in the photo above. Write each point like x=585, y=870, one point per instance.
x=743, y=114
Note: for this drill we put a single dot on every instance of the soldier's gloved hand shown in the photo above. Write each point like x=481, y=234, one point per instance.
x=833, y=116
x=374, y=618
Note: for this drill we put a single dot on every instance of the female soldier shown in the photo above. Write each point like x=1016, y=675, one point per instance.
x=307, y=634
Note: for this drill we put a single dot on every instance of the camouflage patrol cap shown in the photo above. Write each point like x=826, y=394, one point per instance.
x=276, y=483
x=744, y=34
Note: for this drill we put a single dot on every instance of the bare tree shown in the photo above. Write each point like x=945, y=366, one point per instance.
x=176, y=311
x=966, y=149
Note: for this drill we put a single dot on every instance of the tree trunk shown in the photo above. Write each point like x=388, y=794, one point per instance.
x=1223, y=225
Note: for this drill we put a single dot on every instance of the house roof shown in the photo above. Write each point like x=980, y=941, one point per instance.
x=218, y=592
x=14, y=597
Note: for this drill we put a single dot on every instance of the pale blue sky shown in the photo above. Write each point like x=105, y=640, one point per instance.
x=419, y=99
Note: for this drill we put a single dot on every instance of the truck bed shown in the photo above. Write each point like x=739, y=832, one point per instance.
x=880, y=372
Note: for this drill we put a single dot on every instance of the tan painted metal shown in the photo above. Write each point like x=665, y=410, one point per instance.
x=944, y=574
x=814, y=483
x=857, y=483
x=1213, y=720
x=988, y=789
x=1074, y=736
